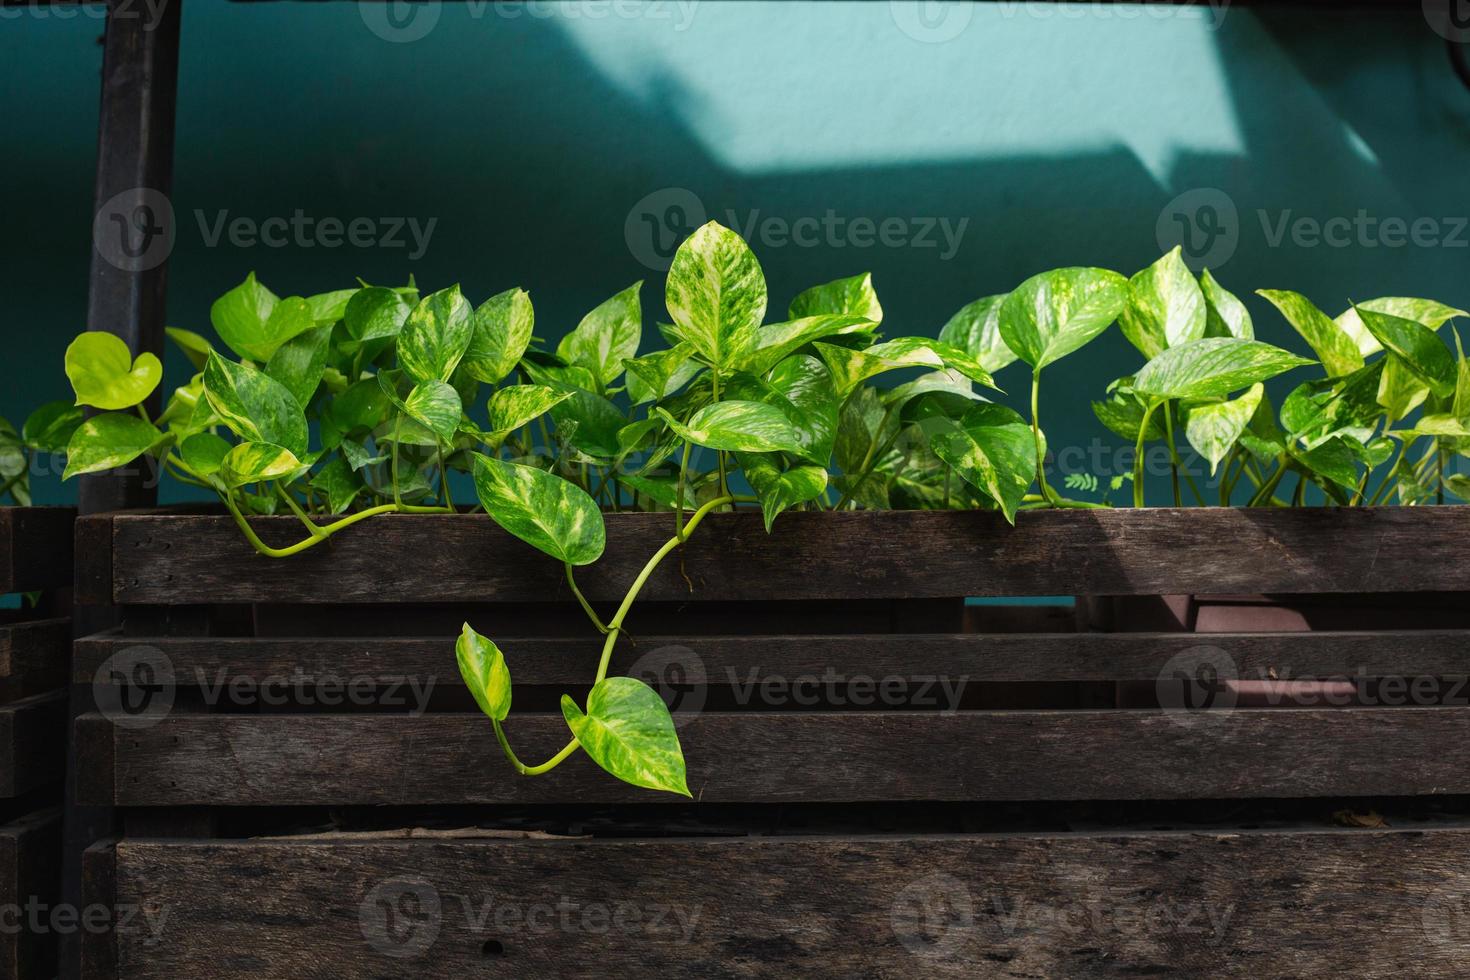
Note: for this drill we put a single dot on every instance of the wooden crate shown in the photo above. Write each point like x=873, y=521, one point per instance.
x=35, y=645
x=839, y=827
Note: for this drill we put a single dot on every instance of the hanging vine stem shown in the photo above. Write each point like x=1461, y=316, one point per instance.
x=323, y=531
x=614, y=627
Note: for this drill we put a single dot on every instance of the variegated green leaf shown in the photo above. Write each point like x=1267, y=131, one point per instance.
x=590, y=422
x=1165, y=306
x=204, y=453
x=738, y=426
x=255, y=406
x=975, y=329
x=375, y=313
x=1417, y=347
x=299, y=362
x=607, y=336
x=1213, y=428
x=1212, y=368
x=776, y=341
x=516, y=405
x=541, y=509
x=253, y=322
x=106, y=441
x=778, y=488
x=436, y=406
x=1400, y=390
x=992, y=449
x=851, y=368
x=1428, y=312
x=104, y=374
x=502, y=332
x=1225, y=314
x=339, y=483
x=258, y=462
x=627, y=730
x=1337, y=350
x=854, y=295
x=654, y=377
x=716, y=293
x=1052, y=314
x=49, y=428
x=435, y=336
x=485, y=673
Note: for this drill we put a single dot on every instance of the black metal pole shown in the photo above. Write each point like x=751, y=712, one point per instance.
x=132, y=236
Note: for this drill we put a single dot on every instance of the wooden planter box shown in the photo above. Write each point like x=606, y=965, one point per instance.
x=885, y=782
x=35, y=646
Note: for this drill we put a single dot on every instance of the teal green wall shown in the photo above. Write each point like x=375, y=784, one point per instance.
x=1058, y=134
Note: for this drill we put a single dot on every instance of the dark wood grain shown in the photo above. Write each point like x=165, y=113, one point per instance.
x=30, y=875
x=200, y=559
x=1305, y=904
x=35, y=548
x=737, y=660
x=32, y=743
x=230, y=760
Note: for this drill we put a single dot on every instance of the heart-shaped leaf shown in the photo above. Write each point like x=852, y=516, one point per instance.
x=258, y=462
x=1213, y=428
x=850, y=368
x=485, y=673
x=106, y=441
x=716, y=293
x=435, y=336
x=590, y=422
x=257, y=407
x=607, y=336
x=375, y=313
x=502, y=331
x=654, y=377
x=1417, y=347
x=104, y=374
x=991, y=449
x=1338, y=351
x=1165, y=306
x=778, y=488
x=854, y=295
x=541, y=509
x=1430, y=313
x=436, y=406
x=1052, y=314
x=204, y=453
x=1212, y=368
x=328, y=308
x=50, y=427
x=801, y=388
x=516, y=405
x=627, y=730
x=975, y=329
x=299, y=362
x=253, y=322
x=738, y=426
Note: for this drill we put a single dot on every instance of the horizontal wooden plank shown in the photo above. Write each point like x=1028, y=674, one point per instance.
x=32, y=743
x=36, y=650
x=1310, y=904
x=30, y=877
x=746, y=660
x=851, y=555
x=222, y=759
x=35, y=548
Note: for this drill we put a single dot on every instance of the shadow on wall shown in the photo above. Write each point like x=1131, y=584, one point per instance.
x=539, y=152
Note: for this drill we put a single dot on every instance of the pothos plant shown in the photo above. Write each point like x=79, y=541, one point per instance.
x=404, y=390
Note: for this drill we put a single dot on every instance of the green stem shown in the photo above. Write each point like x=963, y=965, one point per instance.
x=1138, y=455
x=1173, y=453
x=679, y=492
x=520, y=766
x=311, y=525
x=326, y=530
x=1046, y=491
x=586, y=606
x=1264, y=494
x=397, y=433
x=865, y=467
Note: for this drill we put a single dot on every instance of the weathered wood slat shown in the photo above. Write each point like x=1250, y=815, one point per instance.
x=1318, y=904
x=197, y=759
x=35, y=651
x=914, y=554
x=35, y=548
x=738, y=660
x=32, y=743
x=30, y=876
